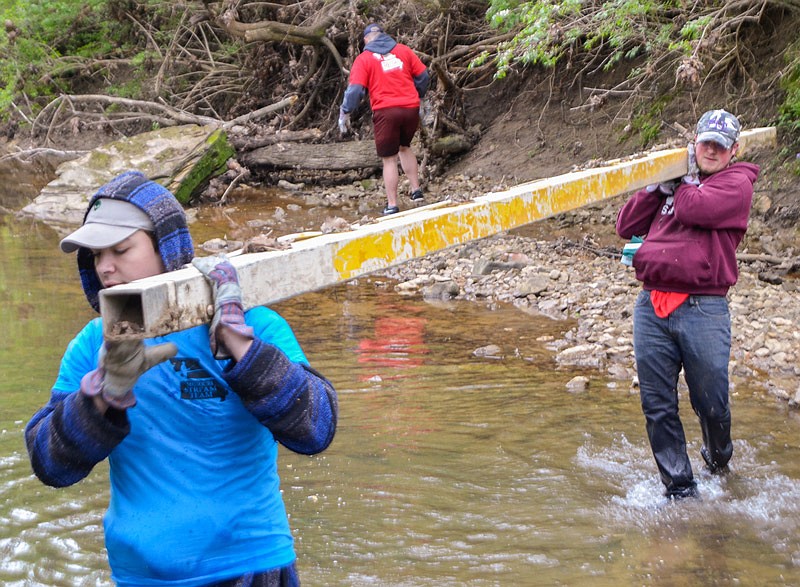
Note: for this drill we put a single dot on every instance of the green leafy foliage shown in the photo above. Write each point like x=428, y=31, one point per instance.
x=48, y=42
x=790, y=83
x=549, y=30
x=647, y=120
x=663, y=44
x=39, y=33
x=540, y=39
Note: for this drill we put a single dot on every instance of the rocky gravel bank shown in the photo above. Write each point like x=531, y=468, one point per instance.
x=580, y=280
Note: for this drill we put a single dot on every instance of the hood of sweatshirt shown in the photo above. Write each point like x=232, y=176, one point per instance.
x=171, y=229
x=382, y=44
x=749, y=170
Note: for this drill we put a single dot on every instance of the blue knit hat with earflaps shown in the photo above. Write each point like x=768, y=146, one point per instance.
x=171, y=230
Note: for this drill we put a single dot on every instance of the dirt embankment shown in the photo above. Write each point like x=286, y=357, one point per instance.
x=534, y=128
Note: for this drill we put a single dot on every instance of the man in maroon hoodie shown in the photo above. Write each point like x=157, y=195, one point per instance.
x=686, y=264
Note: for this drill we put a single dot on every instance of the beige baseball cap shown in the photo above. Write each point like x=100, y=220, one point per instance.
x=108, y=223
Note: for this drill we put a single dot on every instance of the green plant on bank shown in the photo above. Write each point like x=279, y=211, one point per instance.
x=550, y=31
x=648, y=120
x=793, y=165
x=790, y=159
x=647, y=128
x=49, y=43
x=38, y=34
x=789, y=111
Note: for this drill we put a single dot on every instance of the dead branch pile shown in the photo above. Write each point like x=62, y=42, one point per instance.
x=267, y=69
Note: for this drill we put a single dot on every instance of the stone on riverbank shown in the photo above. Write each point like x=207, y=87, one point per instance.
x=181, y=158
x=587, y=284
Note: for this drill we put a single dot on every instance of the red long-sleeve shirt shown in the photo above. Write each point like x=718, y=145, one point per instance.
x=388, y=76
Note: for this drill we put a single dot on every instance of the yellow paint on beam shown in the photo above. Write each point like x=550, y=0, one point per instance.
x=176, y=300
x=431, y=229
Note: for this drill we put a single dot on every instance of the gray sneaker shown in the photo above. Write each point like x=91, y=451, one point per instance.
x=417, y=195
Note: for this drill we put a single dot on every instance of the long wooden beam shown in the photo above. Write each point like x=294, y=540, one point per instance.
x=179, y=299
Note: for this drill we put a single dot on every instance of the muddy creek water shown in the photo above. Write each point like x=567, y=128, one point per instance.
x=447, y=469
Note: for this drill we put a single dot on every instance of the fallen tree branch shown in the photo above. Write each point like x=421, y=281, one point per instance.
x=178, y=116
x=24, y=156
x=344, y=156
x=232, y=185
x=163, y=114
x=474, y=49
x=279, y=32
x=285, y=103
x=20, y=112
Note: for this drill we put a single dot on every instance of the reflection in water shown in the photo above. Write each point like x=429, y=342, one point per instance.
x=480, y=472
x=447, y=469
x=398, y=341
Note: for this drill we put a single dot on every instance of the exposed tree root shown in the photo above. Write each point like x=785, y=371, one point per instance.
x=265, y=68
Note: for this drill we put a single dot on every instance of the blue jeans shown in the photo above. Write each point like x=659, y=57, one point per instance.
x=697, y=338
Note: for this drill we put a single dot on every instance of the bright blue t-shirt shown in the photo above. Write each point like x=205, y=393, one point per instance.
x=195, y=493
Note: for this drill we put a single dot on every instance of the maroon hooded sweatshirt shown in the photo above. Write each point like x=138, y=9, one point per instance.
x=691, y=236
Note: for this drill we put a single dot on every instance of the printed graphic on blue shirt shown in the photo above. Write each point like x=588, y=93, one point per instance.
x=196, y=382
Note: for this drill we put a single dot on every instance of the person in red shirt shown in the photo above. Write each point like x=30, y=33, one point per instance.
x=396, y=80
x=687, y=263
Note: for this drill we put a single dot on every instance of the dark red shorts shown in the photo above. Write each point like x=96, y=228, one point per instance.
x=394, y=127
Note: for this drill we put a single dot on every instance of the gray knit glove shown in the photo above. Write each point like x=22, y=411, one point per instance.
x=665, y=188
x=344, y=122
x=228, y=308
x=121, y=365
x=693, y=174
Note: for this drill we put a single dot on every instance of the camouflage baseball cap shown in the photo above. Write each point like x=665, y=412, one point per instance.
x=720, y=127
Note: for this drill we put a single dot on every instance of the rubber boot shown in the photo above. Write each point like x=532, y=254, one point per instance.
x=717, y=446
